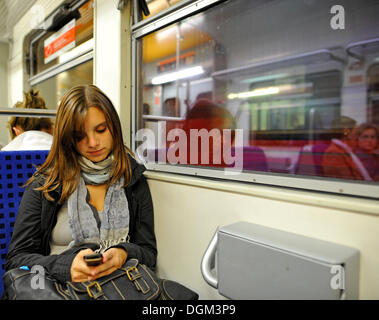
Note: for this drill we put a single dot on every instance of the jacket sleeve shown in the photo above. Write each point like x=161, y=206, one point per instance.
x=26, y=249
x=142, y=244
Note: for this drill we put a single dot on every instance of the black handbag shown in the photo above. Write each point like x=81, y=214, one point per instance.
x=133, y=281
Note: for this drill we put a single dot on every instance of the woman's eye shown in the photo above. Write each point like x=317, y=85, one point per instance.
x=101, y=130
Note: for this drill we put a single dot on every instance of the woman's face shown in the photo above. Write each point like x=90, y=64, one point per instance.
x=96, y=142
x=368, y=140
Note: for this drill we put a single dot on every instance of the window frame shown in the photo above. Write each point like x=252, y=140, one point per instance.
x=327, y=185
x=76, y=60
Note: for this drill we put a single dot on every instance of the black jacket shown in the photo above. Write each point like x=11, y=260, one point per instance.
x=37, y=216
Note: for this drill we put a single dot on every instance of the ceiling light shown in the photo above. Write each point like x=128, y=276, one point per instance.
x=178, y=75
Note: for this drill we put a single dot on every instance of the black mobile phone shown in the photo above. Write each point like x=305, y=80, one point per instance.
x=93, y=259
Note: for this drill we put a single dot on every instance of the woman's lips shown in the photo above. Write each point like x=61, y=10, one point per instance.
x=95, y=153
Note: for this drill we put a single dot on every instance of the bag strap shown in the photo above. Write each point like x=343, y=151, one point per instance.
x=136, y=277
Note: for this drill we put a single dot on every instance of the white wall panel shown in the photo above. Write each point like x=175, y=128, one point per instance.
x=107, y=48
x=187, y=213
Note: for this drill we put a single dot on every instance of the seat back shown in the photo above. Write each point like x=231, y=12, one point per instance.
x=16, y=167
x=254, y=158
x=310, y=160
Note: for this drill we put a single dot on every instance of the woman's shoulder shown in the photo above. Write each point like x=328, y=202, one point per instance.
x=37, y=181
x=137, y=169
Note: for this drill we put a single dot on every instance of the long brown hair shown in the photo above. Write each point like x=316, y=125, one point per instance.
x=61, y=168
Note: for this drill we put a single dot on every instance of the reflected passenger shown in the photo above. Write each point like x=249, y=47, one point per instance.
x=207, y=122
x=339, y=160
x=30, y=133
x=367, y=145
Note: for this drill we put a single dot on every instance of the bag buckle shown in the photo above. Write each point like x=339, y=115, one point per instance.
x=130, y=274
x=95, y=294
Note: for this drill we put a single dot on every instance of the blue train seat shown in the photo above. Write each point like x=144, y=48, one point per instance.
x=16, y=167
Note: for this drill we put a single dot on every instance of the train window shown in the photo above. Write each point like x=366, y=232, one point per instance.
x=58, y=52
x=61, y=42
x=52, y=89
x=238, y=87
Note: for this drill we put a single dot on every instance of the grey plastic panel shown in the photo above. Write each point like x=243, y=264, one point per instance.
x=257, y=262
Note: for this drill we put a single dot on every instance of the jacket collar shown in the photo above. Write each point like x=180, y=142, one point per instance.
x=137, y=170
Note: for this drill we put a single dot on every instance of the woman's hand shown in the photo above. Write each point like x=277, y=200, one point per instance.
x=113, y=259
x=79, y=270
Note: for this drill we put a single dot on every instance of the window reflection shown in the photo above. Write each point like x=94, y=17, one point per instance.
x=288, y=85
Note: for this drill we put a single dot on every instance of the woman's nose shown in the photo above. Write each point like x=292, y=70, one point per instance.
x=92, y=141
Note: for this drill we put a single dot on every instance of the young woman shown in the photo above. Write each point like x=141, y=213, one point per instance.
x=89, y=195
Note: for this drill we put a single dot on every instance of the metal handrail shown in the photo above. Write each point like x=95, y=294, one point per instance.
x=360, y=44
x=161, y=118
x=209, y=260
x=39, y=113
x=284, y=61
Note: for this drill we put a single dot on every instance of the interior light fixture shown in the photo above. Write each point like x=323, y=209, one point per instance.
x=77, y=51
x=302, y=88
x=177, y=75
x=254, y=93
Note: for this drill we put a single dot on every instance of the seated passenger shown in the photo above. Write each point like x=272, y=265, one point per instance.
x=339, y=161
x=367, y=144
x=210, y=132
x=90, y=194
x=30, y=133
x=207, y=115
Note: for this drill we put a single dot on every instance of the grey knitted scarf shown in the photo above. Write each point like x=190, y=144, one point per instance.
x=114, y=227
x=96, y=173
